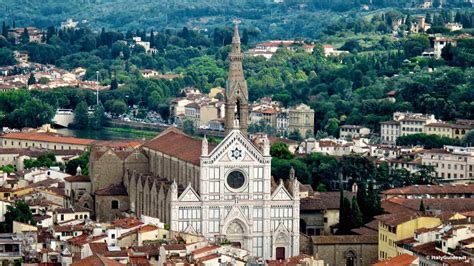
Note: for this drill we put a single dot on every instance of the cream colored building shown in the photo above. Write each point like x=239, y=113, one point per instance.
x=404, y=124
x=43, y=141
x=353, y=131
x=301, y=118
x=451, y=163
x=202, y=113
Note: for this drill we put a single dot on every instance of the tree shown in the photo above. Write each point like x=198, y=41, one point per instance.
x=188, y=127
x=4, y=30
x=81, y=115
x=468, y=139
x=422, y=207
x=82, y=162
x=345, y=223
x=245, y=37
x=98, y=118
x=8, y=168
x=295, y=135
x=280, y=150
x=6, y=57
x=356, y=214
x=31, y=79
x=321, y=187
x=25, y=36
x=19, y=212
x=116, y=107
x=44, y=160
x=114, y=84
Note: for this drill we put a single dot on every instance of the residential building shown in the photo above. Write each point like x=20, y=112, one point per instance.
x=201, y=113
x=282, y=121
x=399, y=226
x=177, y=108
x=301, y=118
x=69, y=24
x=216, y=124
x=35, y=35
x=420, y=25
x=43, y=141
x=453, y=26
x=353, y=131
x=330, y=51
x=10, y=248
x=146, y=45
x=265, y=116
x=440, y=43
x=404, y=124
x=268, y=49
x=452, y=163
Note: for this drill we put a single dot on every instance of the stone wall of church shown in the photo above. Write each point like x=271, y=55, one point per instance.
x=338, y=254
x=148, y=196
x=105, y=171
x=104, y=206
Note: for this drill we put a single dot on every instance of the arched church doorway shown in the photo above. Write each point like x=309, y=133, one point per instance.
x=280, y=253
x=235, y=233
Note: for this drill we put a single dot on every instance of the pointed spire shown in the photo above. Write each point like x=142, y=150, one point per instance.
x=205, y=147
x=292, y=173
x=236, y=36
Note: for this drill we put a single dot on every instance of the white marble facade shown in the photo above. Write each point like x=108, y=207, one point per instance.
x=236, y=201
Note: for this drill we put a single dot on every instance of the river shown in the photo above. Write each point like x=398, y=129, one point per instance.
x=106, y=134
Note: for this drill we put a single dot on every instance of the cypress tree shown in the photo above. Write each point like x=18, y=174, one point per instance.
x=422, y=206
x=4, y=30
x=356, y=214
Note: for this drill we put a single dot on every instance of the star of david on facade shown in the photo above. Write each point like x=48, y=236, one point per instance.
x=236, y=153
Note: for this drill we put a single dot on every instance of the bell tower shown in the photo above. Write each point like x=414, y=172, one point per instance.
x=236, y=93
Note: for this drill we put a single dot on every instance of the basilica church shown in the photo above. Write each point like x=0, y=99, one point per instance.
x=224, y=192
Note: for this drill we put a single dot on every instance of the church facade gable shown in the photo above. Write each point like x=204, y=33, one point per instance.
x=281, y=194
x=189, y=195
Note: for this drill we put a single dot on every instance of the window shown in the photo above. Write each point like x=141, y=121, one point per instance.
x=114, y=204
x=235, y=179
x=112, y=236
x=62, y=217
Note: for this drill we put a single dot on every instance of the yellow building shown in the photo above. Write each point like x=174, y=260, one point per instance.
x=301, y=118
x=397, y=226
x=454, y=131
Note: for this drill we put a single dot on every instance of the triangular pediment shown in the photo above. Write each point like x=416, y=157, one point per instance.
x=236, y=213
x=189, y=195
x=281, y=194
x=231, y=141
x=239, y=90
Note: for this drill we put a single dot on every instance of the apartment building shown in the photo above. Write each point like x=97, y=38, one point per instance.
x=201, y=113
x=301, y=118
x=451, y=163
x=353, y=131
x=404, y=124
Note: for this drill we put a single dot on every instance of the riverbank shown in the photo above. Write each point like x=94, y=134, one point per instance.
x=110, y=133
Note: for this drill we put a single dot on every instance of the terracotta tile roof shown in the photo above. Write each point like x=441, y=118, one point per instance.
x=68, y=228
x=390, y=122
x=395, y=219
x=85, y=239
x=174, y=143
x=138, y=260
x=77, y=178
x=365, y=231
x=47, y=137
x=64, y=210
x=443, y=204
x=208, y=257
x=323, y=201
x=400, y=260
x=431, y=189
x=112, y=190
x=127, y=223
x=149, y=249
x=204, y=249
x=274, y=140
x=96, y=260
x=40, y=217
x=346, y=239
x=147, y=228
x=175, y=247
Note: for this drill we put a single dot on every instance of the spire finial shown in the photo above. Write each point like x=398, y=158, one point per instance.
x=236, y=37
x=205, y=147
